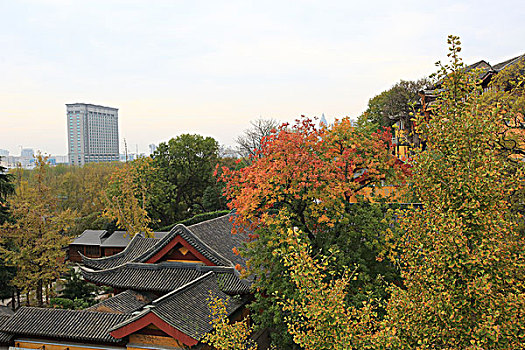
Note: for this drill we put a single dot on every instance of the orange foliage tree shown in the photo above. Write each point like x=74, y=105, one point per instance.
x=311, y=179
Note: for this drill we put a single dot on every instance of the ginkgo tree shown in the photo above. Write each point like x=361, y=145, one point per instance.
x=128, y=195
x=461, y=255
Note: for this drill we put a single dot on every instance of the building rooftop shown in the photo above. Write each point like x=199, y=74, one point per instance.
x=74, y=325
x=89, y=105
x=187, y=308
x=90, y=237
x=213, y=239
x=126, y=302
x=164, y=277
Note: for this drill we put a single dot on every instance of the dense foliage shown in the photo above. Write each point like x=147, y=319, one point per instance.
x=461, y=256
x=6, y=272
x=315, y=180
x=128, y=195
x=76, y=293
x=6, y=188
x=33, y=241
x=184, y=171
x=389, y=106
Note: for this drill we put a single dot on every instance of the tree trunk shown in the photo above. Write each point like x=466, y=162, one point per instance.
x=27, y=299
x=48, y=288
x=13, y=300
x=39, y=296
x=17, y=298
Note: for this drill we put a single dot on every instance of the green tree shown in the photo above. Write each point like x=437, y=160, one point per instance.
x=6, y=188
x=36, y=237
x=76, y=292
x=461, y=256
x=184, y=170
x=389, y=106
x=319, y=316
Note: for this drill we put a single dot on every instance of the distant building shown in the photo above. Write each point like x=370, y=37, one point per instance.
x=4, y=153
x=131, y=156
x=152, y=148
x=27, y=153
x=323, y=121
x=92, y=133
x=55, y=160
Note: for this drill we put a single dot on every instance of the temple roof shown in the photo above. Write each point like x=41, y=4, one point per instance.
x=126, y=302
x=187, y=308
x=217, y=234
x=212, y=239
x=164, y=277
x=72, y=325
x=498, y=67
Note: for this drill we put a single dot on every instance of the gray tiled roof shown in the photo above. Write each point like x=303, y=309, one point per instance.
x=116, y=239
x=74, y=325
x=506, y=63
x=136, y=248
x=5, y=338
x=90, y=237
x=122, y=239
x=212, y=238
x=217, y=234
x=126, y=302
x=164, y=277
x=187, y=308
x=201, y=246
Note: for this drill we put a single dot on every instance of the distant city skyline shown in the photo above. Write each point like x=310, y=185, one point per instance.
x=210, y=67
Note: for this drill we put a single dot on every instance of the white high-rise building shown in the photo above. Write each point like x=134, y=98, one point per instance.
x=92, y=133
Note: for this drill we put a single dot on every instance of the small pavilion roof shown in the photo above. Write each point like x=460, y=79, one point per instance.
x=90, y=237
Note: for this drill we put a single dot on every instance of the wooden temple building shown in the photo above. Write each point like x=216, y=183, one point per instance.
x=162, y=288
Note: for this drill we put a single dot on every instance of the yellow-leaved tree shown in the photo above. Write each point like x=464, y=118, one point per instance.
x=461, y=255
x=34, y=240
x=127, y=197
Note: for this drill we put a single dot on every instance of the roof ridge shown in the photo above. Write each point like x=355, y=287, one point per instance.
x=180, y=229
x=71, y=311
x=206, y=221
x=88, y=270
x=157, y=266
x=161, y=243
x=207, y=246
x=181, y=288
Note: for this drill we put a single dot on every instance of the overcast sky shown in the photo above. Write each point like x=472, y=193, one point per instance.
x=209, y=67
